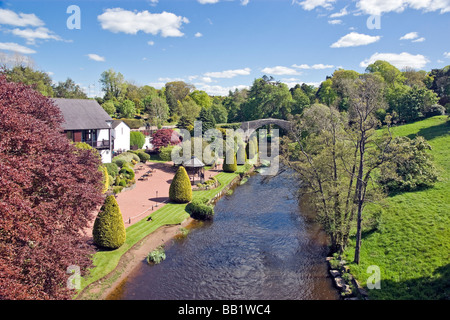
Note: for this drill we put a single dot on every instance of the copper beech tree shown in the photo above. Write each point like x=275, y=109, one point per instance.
x=49, y=191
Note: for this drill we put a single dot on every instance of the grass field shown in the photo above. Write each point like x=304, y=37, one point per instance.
x=411, y=245
x=170, y=214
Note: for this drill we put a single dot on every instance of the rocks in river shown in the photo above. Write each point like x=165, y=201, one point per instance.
x=334, y=273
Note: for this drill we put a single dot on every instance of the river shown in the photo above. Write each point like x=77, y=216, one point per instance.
x=260, y=246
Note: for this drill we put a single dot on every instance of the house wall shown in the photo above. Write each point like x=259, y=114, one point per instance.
x=103, y=134
x=121, y=136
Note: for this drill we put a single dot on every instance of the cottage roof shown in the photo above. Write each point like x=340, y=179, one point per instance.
x=82, y=114
x=117, y=122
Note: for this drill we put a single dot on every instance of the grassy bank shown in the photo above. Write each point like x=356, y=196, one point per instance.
x=170, y=214
x=411, y=243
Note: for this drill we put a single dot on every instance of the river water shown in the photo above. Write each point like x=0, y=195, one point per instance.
x=260, y=246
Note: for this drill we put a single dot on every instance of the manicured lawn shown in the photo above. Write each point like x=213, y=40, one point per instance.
x=411, y=245
x=170, y=214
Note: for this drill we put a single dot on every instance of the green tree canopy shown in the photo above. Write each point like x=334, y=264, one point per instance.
x=180, y=190
x=109, y=229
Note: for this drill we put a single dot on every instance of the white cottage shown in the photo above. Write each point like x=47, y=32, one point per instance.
x=86, y=121
x=120, y=136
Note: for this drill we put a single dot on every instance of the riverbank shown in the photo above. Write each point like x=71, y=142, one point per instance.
x=111, y=267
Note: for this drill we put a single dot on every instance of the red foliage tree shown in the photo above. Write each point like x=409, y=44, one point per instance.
x=164, y=137
x=48, y=192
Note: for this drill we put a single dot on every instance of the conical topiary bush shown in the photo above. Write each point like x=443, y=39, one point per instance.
x=241, y=155
x=109, y=229
x=180, y=190
x=230, y=167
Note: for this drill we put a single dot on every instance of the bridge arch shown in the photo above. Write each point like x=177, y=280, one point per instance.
x=251, y=126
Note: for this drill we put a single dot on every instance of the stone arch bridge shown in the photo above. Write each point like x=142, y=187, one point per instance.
x=251, y=126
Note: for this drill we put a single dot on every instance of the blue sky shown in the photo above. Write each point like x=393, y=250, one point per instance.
x=219, y=45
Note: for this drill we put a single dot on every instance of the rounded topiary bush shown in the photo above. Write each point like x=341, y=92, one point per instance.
x=241, y=155
x=109, y=229
x=230, y=167
x=180, y=190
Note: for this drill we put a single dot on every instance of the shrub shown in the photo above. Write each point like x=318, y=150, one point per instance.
x=117, y=189
x=156, y=256
x=127, y=172
x=123, y=183
x=112, y=168
x=119, y=162
x=109, y=229
x=105, y=179
x=165, y=153
x=230, y=167
x=241, y=155
x=137, y=139
x=180, y=190
x=434, y=110
x=143, y=156
x=198, y=209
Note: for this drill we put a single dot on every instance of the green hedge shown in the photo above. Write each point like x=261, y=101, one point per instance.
x=198, y=209
x=133, y=123
x=180, y=190
x=112, y=168
x=109, y=229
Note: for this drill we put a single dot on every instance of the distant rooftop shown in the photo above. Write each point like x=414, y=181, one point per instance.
x=82, y=114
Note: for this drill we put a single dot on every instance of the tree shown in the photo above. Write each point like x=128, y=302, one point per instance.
x=109, y=229
x=127, y=109
x=326, y=92
x=219, y=113
x=113, y=84
x=389, y=72
x=137, y=139
x=157, y=108
x=48, y=192
x=207, y=120
x=267, y=99
x=336, y=154
x=164, y=138
x=109, y=107
x=68, y=90
x=176, y=91
x=234, y=102
x=180, y=190
x=201, y=98
x=301, y=101
x=411, y=167
x=415, y=103
x=39, y=80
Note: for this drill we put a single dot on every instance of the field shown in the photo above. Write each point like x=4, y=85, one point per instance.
x=411, y=244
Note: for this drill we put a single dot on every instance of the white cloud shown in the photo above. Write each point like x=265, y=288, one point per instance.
x=228, y=73
x=419, y=40
x=410, y=36
x=339, y=14
x=14, y=47
x=280, y=71
x=153, y=2
x=447, y=55
x=312, y=4
x=151, y=43
x=120, y=20
x=207, y=1
x=31, y=35
x=318, y=66
x=400, y=61
x=19, y=20
x=378, y=7
x=335, y=21
x=245, y=2
x=198, y=35
x=355, y=39
x=96, y=57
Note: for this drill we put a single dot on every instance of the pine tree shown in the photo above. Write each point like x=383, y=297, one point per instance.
x=207, y=119
x=180, y=190
x=109, y=229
